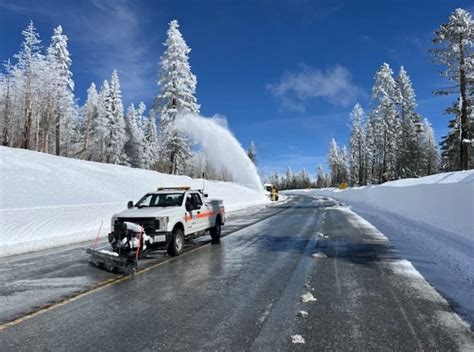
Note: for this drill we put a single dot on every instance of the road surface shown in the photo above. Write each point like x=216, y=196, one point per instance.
x=245, y=294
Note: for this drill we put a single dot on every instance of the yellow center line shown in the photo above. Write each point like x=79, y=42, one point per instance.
x=101, y=285
x=113, y=281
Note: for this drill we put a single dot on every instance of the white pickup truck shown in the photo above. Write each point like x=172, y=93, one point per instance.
x=166, y=217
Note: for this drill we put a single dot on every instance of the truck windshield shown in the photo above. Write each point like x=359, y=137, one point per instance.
x=161, y=200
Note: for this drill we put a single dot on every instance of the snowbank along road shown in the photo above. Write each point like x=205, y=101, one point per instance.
x=315, y=276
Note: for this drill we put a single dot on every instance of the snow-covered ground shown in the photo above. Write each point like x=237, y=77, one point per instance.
x=48, y=201
x=444, y=200
x=430, y=221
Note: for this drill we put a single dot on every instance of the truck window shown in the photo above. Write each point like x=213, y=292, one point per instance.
x=161, y=200
x=196, y=201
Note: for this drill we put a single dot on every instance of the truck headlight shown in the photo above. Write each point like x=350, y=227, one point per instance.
x=163, y=223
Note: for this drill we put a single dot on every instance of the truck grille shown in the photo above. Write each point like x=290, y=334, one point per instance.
x=150, y=225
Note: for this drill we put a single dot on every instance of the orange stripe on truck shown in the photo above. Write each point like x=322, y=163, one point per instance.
x=205, y=214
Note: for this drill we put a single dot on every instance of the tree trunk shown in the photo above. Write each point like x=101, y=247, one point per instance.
x=58, y=134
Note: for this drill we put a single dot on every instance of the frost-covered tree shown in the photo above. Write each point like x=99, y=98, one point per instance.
x=99, y=125
x=90, y=114
x=386, y=123
x=451, y=143
x=357, y=146
x=60, y=60
x=334, y=160
x=116, y=137
x=135, y=145
x=252, y=152
x=290, y=181
x=409, y=146
x=320, y=177
x=345, y=165
x=430, y=157
x=27, y=70
x=151, y=146
x=370, y=152
x=455, y=51
x=177, y=89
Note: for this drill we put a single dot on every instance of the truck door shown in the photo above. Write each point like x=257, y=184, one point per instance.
x=190, y=216
x=201, y=211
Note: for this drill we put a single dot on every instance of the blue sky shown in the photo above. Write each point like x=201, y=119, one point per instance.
x=285, y=73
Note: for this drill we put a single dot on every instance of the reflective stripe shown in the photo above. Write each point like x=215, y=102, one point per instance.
x=205, y=215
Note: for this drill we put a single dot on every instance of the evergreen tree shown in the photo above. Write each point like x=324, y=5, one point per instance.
x=357, y=146
x=135, y=145
x=451, y=143
x=150, y=154
x=320, y=177
x=28, y=57
x=430, y=159
x=90, y=114
x=409, y=145
x=386, y=124
x=116, y=138
x=344, y=165
x=334, y=160
x=178, y=86
x=61, y=62
x=456, y=39
x=252, y=152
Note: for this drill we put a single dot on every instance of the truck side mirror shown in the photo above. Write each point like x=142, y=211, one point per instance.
x=206, y=195
x=130, y=204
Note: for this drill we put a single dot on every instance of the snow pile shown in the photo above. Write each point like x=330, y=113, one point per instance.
x=229, y=155
x=297, y=339
x=47, y=201
x=444, y=200
x=307, y=297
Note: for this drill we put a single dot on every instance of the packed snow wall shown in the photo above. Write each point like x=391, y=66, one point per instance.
x=444, y=200
x=48, y=201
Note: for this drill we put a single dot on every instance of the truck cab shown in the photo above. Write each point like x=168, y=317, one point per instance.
x=166, y=217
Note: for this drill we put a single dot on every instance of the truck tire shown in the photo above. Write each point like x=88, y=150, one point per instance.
x=176, y=245
x=216, y=231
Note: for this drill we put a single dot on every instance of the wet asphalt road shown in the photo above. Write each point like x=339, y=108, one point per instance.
x=244, y=294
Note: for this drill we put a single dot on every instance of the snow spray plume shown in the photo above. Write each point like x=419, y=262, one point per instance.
x=221, y=147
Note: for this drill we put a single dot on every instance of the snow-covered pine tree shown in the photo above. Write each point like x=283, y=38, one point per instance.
x=345, y=165
x=334, y=161
x=451, y=143
x=150, y=153
x=410, y=144
x=99, y=128
x=135, y=145
x=177, y=88
x=115, y=137
x=455, y=39
x=386, y=124
x=357, y=146
x=252, y=152
x=369, y=152
x=289, y=179
x=66, y=116
x=90, y=114
x=430, y=158
x=26, y=69
x=320, y=177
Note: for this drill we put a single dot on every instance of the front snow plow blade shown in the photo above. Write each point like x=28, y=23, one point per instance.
x=107, y=261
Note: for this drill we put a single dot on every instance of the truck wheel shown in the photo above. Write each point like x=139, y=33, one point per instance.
x=216, y=231
x=176, y=245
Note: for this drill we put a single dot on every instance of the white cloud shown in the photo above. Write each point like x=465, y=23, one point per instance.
x=296, y=89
